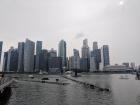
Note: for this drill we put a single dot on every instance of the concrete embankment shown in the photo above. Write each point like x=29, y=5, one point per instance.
x=5, y=88
x=87, y=85
x=5, y=83
x=45, y=81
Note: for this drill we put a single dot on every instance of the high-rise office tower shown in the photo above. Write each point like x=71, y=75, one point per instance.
x=20, y=57
x=96, y=53
x=84, y=64
x=52, y=53
x=67, y=66
x=55, y=64
x=5, y=58
x=9, y=58
x=62, y=52
x=76, y=59
x=29, y=47
x=12, y=61
x=43, y=60
x=71, y=63
x=105, y=60
x=1, y=43
x=95, y=46
x=85, y=49
x=38, y=50
x=85, y=52
x=92, y=64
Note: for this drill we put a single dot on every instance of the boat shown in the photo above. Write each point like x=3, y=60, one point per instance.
x=31, y=76
x=68, y=72
x=42, y=72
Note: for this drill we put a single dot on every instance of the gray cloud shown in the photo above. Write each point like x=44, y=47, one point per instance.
x=79, y=35
x=105, y=21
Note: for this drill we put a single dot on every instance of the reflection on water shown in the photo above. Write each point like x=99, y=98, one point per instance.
x=123, y=92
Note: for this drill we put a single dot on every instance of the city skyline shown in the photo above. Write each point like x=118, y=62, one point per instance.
x=57, y=49
x=30, y=57
x=111, y=22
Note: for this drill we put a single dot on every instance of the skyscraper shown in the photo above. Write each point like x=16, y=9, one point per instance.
x=43, y=60
x=62, y=52
x=29, y=56
x=97, y=57
x=85, y=49
x=1, y=43
x=76, y=59
x=84, y=64
x=5, y=58
x=20, y=57
x=92, y=64
x=95, y=46
x=38, y=50
x=9, y=58
x=55, y=64
x=105, y=60
x=71, y=63
x=96, y=53
x=52, y=53
x=12, y=61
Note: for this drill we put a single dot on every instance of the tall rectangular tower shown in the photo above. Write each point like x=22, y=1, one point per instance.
x=62, y=52
x=76, y=59
x=85, y=49
x=43, y=60
x=95, y=46
x=20, y=57
x=105, y=59
x=12, y=61
x=29, y=56
x=1, y=44
x=96, y=53
x=38, y=51
x=5, y=58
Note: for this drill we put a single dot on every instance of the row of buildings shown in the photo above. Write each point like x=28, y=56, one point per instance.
x=90, y=61
x=28, y=58
x=31, y=57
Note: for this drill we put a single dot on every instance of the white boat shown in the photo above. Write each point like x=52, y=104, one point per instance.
x=68, y=72
x=30, y=76
x=43, y=72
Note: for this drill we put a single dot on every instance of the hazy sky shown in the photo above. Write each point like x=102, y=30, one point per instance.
x=112, y=22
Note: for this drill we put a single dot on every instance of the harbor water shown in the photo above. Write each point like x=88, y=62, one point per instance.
x=123, y=91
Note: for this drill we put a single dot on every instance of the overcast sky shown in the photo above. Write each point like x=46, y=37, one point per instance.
x=112, y=22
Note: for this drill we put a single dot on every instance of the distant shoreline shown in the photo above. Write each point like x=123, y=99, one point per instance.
x=95, y=72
